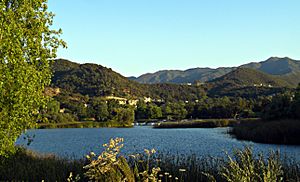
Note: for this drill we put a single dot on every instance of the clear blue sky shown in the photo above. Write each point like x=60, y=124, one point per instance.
x=138, y=36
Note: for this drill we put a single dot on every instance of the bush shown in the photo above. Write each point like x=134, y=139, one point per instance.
x=108, y=166
x=245, y=167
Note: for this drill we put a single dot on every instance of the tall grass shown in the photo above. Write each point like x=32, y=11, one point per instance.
x=150, y=166
x=242, y=166
x=26, y=165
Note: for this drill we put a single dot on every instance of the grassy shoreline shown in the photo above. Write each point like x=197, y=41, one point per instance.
x=198, y=123
x=254, y=129
x=82, y=124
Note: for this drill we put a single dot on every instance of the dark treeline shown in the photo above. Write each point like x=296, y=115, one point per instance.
x=279, y=124
x=284, y=106
x=76, y=107
x=64, y=109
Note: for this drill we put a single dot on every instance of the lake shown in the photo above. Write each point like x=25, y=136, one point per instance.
x=77, y=142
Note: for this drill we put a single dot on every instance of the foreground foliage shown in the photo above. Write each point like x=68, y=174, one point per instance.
x=108, y=166
x=245, y=167
x=26, y=46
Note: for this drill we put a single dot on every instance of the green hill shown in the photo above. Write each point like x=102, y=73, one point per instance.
x=96, y=80
x=250, y=77
x=91, y=79
x=246, y=81
x=284, y=68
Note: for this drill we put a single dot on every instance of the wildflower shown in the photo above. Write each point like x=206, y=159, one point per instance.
x=153, y=151
x=182, y=170
x=156, y=169
x=144, y=173
x=133, y=156
x=170, y=176
x=147, y=151
x=105, y=161
x=167, y=173
x=176, y=178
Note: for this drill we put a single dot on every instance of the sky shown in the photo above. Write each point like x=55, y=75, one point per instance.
x=134, y=37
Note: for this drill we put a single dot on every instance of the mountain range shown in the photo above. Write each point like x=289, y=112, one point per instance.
x=250, y=80
x=285, y=69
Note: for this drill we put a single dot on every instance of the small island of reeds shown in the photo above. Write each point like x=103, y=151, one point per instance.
x=199, y=123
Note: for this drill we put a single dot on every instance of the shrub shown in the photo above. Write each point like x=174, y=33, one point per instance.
x=108, y=166
x=245, y=167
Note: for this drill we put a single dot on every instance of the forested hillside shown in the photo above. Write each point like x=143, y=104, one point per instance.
x=91, y=92
x=92, y=80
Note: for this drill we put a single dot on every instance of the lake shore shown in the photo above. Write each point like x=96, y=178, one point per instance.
x=82, y=124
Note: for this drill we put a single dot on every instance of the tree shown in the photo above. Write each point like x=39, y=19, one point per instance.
x=154, y=112
x=141, y=110
x=295, y=108
x=99, y=109
x=53, y=106
x=124, y=116
x=27, y=46
x=177, y=109
x=279, y=108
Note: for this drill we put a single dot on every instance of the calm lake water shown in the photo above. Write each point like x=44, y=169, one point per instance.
x=77, y=142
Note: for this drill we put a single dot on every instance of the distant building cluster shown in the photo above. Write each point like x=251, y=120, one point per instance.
x=262, y=85
x=123, y=101
x=51, y=92
x=132, y=102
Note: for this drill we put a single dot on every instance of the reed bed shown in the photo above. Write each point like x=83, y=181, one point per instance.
x=205, y=123
x=110, y=166
x=276, y=132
